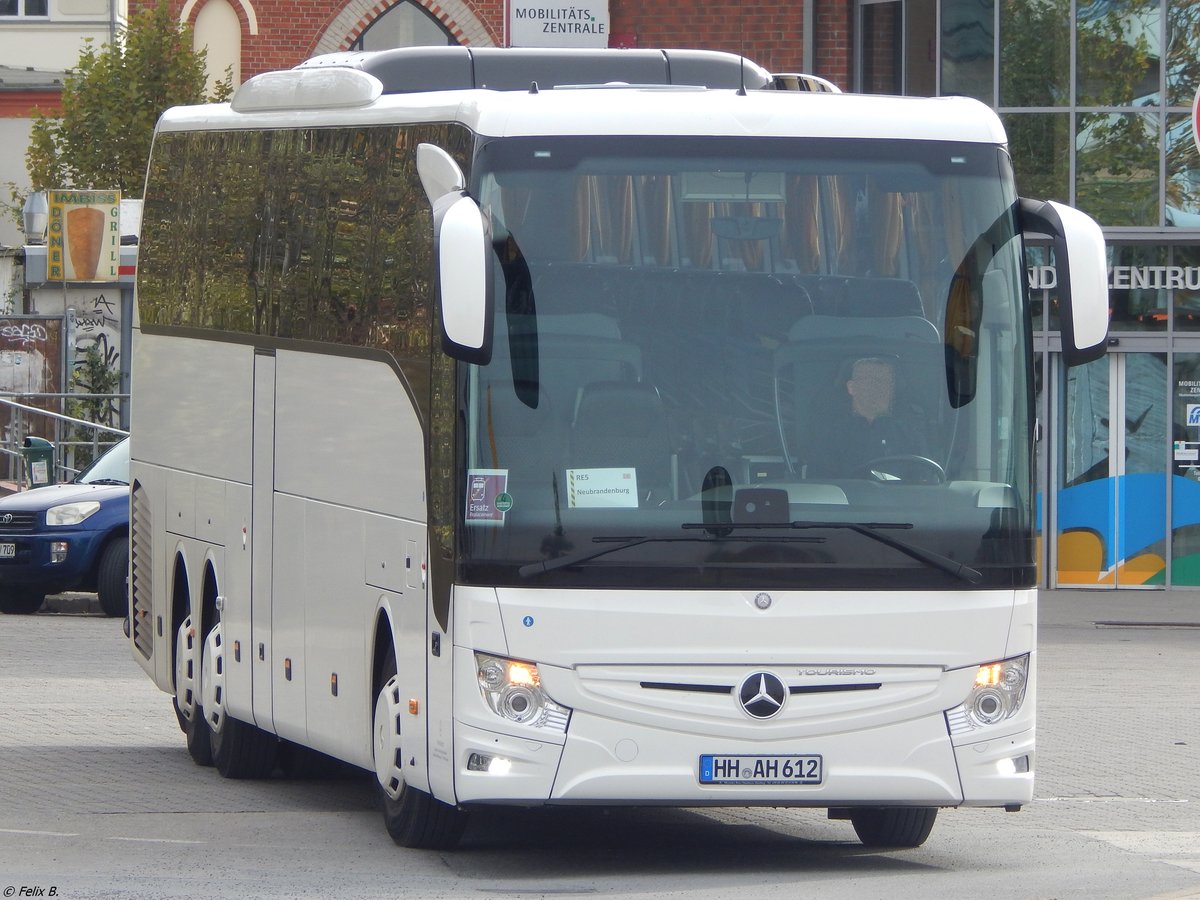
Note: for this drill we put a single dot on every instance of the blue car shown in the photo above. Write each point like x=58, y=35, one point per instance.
x=68, y=537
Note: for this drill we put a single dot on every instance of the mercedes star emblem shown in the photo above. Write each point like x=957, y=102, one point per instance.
x=762, y=695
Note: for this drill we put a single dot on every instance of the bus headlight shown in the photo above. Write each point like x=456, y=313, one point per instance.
x=997, y=695
x=514, y=692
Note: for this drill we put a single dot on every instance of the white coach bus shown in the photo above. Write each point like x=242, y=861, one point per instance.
x=613, y=427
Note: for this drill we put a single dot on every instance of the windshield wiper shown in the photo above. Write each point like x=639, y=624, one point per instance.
x=624, y=542
x=872, y=530
x=105, y=481
x=559, y=562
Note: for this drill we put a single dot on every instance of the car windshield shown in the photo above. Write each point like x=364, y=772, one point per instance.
x=788, y=362
x=110, y=468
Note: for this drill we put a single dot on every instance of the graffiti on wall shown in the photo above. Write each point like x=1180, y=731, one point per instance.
x=97, y=344
x=30, y=363
x=29, y=355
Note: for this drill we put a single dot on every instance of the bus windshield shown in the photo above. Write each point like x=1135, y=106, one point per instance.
x=786, y=363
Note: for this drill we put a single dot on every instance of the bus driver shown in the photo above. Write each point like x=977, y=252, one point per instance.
x=869, y=428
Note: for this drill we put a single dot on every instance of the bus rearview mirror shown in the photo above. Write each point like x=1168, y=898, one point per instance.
x=462, y=250
x=1082, y=265
x=439, y=173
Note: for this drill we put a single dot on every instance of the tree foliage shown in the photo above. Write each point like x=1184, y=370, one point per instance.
x=1118, y=122
x=111, y=102
x=94, y=377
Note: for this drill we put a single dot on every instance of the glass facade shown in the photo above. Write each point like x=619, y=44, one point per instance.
x=1113, y=134
x=1097, y=98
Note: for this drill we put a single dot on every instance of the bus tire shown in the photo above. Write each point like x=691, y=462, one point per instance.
x=20, y=603
x=241, y=750
x=198, y=736
x=187, y=694
x=112, y=577
x=305, y=763
x=893, y=826
x=413, y=818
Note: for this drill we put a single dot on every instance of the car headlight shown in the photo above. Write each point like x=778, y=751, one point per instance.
x=514, y=692
x=71, y=513
x=997, y=694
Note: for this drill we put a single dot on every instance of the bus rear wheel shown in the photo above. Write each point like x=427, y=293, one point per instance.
x=412, y=817
x=187, y=694
x=239, y=749
x=893, y=826
x=242, y=750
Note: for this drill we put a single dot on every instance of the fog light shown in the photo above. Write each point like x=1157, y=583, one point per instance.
x=1017, y=765
x=58, y=551
x=477, y=762
x=493, y=765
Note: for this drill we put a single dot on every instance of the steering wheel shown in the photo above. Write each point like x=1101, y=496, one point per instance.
x=903, y=467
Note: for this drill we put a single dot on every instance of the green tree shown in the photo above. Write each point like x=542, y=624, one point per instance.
x=95, y=378
x=111, y=101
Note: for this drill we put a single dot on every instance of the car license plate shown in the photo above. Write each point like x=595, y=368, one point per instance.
x=717, y=769
x=8, y=551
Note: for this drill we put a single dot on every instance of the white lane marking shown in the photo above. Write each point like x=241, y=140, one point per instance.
x=1174, y=848
x=1151, y=843
x=1108, y=800
x=39, y=833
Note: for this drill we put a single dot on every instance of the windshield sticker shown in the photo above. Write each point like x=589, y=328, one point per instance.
x=596, y=488
x=487, y=497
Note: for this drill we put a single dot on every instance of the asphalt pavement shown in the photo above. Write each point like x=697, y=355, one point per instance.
x=100, y=800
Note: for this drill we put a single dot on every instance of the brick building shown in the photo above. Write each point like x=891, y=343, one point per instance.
x=259, y=35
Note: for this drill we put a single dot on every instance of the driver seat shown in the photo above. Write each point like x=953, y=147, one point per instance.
x=622, y=424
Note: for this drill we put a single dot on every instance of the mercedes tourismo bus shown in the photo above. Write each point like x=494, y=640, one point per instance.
x=488, y=416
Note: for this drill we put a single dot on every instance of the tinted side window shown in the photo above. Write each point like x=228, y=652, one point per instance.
x=307, y=234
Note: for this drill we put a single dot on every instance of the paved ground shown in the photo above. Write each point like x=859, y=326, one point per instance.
x=99, y=798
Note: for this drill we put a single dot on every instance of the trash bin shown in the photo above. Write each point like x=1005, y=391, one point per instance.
x=39, y=461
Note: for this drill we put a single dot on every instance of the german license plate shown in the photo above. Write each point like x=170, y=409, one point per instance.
x=717, y=769
x=8, y=551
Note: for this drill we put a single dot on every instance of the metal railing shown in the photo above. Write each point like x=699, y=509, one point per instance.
x=26, y=421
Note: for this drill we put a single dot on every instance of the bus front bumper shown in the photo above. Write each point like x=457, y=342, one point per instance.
x=602, y=761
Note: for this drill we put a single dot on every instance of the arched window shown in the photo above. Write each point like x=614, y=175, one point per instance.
x=406, y=24
x=218, y=30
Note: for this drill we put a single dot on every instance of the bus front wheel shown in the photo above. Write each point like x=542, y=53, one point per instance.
x=893, y=826
x=412, y=817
